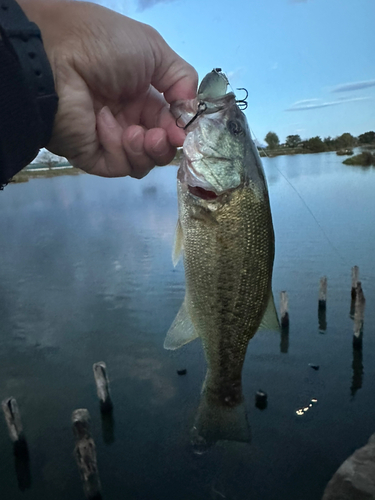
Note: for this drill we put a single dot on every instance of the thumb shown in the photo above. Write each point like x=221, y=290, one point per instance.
x=173, y=76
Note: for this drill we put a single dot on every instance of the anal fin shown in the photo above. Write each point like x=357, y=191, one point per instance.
x=270, y=321
x=182, y=330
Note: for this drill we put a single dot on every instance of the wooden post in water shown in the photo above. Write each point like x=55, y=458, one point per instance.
x=102, y=386
x=323, y=293
x=85, y=454
x=355, y=278
x=359, y=312
x=13, y=419
x=284, y=315
x=20, y=448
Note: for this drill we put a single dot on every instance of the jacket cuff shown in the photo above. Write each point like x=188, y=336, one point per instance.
x=28, y=100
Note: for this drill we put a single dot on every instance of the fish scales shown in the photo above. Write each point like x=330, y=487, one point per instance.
x=228, y=269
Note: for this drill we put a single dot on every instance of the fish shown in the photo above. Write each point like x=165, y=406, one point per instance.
x=226, y=236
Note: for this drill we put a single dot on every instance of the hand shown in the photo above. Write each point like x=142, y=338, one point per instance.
x=110, y=75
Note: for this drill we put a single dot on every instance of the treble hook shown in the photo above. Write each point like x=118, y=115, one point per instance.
x=202, y=106
x=242, y=104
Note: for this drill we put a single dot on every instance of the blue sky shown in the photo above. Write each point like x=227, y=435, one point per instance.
x=308, y=65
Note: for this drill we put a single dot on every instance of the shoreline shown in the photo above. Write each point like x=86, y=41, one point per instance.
x=41, y=171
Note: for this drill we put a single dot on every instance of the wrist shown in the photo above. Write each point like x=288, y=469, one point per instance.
x=28, y=96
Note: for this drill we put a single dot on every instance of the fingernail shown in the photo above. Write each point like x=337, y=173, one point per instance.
x=136, y=142
x=107, y=117
x=159, y=147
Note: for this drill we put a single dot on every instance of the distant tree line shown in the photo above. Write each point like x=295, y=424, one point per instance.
x=318, y=145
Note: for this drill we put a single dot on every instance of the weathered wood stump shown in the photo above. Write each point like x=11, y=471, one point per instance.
x=13, y=419
x=102, y=386
x=85, y=454
x=20, y=447
x=355, y=279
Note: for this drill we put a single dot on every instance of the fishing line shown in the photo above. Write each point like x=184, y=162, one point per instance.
x=306, y=206
x=329, y=241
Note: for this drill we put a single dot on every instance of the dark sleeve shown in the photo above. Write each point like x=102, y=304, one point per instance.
x=28, y=101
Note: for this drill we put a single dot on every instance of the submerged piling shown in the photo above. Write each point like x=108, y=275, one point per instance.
x=359, y=312
x=102, y=386
x=85, y=454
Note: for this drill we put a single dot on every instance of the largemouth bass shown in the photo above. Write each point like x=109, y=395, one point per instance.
x=225, y=232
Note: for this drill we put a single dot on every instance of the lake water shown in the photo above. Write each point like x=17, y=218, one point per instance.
x=86, y=275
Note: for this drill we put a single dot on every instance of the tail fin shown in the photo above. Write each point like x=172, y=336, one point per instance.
x=215, y=422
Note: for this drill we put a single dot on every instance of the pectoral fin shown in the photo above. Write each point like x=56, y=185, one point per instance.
x=182, y=330
x=270, y=320
x=178, y=244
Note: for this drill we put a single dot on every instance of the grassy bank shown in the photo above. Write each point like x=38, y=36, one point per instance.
x=365, y=159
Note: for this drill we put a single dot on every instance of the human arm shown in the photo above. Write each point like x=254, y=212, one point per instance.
x=114, y=78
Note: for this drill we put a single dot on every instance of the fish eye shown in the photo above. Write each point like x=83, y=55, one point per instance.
x=235, y=128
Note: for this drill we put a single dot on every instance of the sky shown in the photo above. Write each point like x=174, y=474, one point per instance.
x=308, y=65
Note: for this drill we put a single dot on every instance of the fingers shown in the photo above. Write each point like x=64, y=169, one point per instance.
x=156, y=114
x=131, y=150
x=158, y=147
x=113, y=160
x=172, y=76
x=133, y=141
x=145, y=149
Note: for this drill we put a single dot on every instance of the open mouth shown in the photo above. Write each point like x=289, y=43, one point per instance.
x=202, y=193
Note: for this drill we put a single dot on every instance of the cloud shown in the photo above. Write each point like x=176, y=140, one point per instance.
x=306, y=102
x=318, y=103
x=347, y=87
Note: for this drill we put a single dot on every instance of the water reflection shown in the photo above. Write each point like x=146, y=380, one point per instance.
x=22, y=464
x=108, y=427
x=284, y=339
x=322, y=319
x=357, y=366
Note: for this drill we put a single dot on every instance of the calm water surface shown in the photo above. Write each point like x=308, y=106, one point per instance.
x=86, y=275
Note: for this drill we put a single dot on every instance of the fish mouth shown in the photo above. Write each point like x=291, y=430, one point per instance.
x=197, y=183
x=202, y=193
